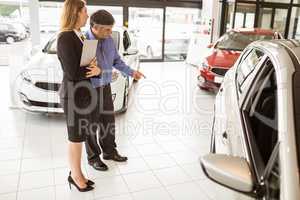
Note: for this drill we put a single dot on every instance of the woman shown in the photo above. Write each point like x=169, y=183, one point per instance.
x=76, y=90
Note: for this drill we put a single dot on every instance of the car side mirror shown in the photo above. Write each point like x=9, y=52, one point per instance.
x=131, y=52
x=229, y=171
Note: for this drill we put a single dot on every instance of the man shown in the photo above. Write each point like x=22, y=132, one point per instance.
x=101, y=24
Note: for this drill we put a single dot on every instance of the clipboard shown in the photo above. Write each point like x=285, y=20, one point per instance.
x=89, y=50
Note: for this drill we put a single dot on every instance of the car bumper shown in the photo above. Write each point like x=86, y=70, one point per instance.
x=33, y=99
x=209, y=81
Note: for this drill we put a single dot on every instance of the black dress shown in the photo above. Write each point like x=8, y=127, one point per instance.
x=76, y=91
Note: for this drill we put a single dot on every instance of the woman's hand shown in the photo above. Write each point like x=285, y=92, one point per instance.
x=95, y=70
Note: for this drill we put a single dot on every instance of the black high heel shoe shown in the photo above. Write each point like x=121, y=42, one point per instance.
x=89, y=182
x=72, y=182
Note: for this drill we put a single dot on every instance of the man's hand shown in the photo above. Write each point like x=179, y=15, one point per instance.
x=138, y=75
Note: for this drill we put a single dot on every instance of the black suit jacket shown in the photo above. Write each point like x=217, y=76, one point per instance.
x=74, y=84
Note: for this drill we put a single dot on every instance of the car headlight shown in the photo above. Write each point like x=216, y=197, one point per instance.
x=115, y=75
x=205, y=65
x=26, y=77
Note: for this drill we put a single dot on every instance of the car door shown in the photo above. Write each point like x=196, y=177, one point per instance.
x=226, y=105
x=260, y=119
x=228, y=130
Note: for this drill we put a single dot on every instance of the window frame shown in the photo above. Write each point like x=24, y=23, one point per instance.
x=259, y=169
x=240, y=94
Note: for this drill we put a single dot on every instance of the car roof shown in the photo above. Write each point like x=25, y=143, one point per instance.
x=256, y=31
x=276, y=46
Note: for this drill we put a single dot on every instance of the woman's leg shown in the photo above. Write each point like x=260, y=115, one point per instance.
x=75, y=150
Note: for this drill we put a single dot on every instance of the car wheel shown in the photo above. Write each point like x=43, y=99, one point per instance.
x=149, y=52
x=10, y=40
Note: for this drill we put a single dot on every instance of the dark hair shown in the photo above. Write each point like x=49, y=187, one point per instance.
x=102, y=17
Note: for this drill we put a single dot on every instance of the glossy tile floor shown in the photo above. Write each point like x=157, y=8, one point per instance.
x=164, y=131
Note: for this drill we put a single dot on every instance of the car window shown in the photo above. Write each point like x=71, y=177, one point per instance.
x=126, y=40
x=239, y=41
x=246, y=67
x=263, y=114
x=261, y=121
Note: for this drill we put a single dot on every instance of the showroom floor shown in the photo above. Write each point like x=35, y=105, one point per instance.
x=164, y=131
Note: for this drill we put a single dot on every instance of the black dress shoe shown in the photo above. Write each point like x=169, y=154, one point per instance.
x=98, y=165
x=115, y=157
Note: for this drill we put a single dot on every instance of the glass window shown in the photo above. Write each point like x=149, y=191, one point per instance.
x=181, y=23
x=294, y=29
x=52, y=10
x=263, y=113
x=245, y=14
x=49, y=10
x=116, y=11
x=15, y=47
x=146, y=26
x=273, y=18
x=230, y=15
x=280, y=20
x=246, y=67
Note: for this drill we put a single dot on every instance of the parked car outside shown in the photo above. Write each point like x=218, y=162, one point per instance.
x=12, y=32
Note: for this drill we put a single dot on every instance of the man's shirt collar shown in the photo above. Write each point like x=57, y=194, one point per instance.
x=91, y=35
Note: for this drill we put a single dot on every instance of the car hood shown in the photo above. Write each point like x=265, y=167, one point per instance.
x=222, y=58
x=44, y=67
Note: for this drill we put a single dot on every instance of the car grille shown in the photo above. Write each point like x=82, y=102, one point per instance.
x=219, y=71
x=48, y=86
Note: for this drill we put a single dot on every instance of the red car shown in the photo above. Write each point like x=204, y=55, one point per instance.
x=225, y=52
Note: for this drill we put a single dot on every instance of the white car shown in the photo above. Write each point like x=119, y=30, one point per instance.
x=255, y=143
x=37, y=85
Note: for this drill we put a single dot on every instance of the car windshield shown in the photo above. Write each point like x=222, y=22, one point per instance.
x=239, y=41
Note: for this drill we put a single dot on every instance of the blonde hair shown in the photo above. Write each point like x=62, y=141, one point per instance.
x=69, y=16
